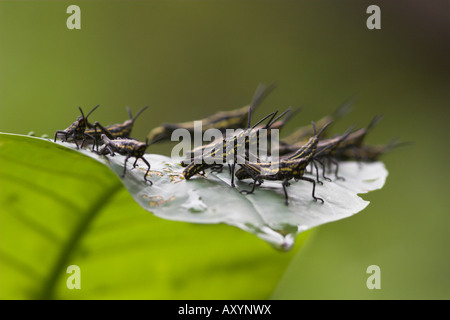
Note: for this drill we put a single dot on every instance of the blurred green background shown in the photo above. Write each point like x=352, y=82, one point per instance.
x=187, y=59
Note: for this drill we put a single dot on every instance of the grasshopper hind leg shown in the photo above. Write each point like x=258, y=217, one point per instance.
x=125, y=166
x=256, y=181
x=148, y=167
x=336, y=163
x=286, y=197
x=323, y=170
x=148, y=170
x=60, y=132
x=314, y=188
x=232, y=167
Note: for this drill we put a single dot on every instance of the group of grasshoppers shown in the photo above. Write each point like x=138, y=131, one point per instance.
x=113, y=138
x=302, y=148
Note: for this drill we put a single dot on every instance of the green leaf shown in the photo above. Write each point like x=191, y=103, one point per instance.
x=61, y=208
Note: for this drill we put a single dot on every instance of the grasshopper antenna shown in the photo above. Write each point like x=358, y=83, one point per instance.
x=292, y=113
x=314, y=127
x=394, y=143
x=374, y=121
x=137, y=114
x=323, y=128
x=344, y=108
x=155, y=140
x=269, y=115
x=130, y=115
x=272, y=121
x=260, y=94
x=82, y=114
x=347, y=132
x=90, y=111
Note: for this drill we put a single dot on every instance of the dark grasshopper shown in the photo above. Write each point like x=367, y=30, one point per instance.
x=306, y=152
x=218, y=154
x=354, y=141
x=286, y=170
x=338, y=148
x=369, y=153
x=223, y=120
x=128, y=148
x=120, y=130
x=297, y=137
x=326, y=149
x=77, y=130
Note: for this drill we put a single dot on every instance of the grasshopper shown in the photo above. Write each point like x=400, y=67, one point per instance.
x=121, y=130
x=355, y=139
x=287, y=169
x=77, y=130
x=223, y=120
x=303, y=133
x=369, y=153
x=128, y=148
